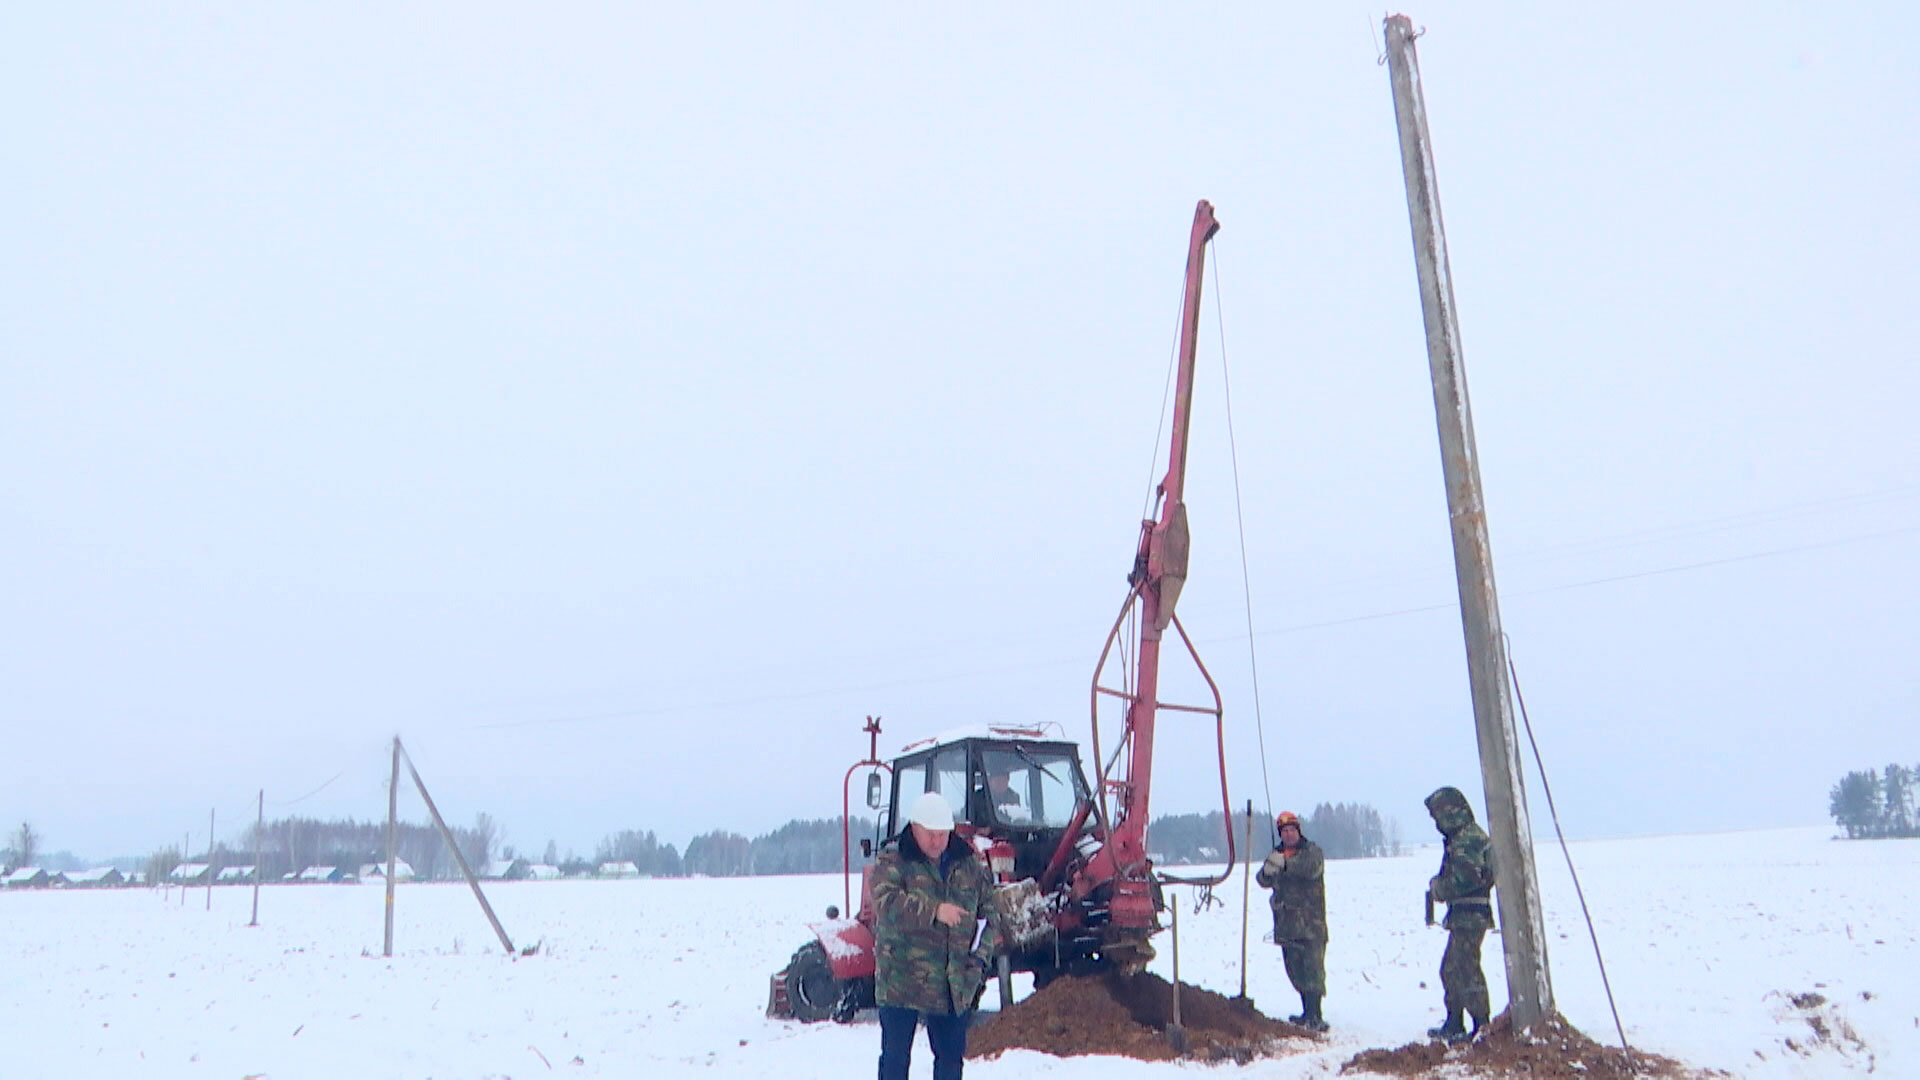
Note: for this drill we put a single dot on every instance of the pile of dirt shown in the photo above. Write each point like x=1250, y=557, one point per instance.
x=1130, y=1015
x=1555, y=1050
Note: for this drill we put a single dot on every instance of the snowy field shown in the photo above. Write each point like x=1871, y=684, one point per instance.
x=1707, y=939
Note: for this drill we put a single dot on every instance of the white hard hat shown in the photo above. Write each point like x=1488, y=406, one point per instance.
x=932, y=811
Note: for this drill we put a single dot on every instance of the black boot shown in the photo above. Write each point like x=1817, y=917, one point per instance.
x=1306, y=1007
x=1310, y=1019
x=1478, y=1023
x=1453, y=1030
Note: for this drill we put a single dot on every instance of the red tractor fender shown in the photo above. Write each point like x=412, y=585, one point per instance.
x=849, y=947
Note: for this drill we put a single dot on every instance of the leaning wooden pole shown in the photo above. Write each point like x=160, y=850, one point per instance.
x=454, y=846
x=393, y=814
x=1523, y=928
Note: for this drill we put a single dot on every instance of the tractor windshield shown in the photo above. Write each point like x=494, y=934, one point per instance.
x=1031, y=787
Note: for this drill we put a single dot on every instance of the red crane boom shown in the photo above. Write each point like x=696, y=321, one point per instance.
x=1159, y=572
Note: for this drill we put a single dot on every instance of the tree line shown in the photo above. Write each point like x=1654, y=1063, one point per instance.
x=291, y=845
x=803, y=846
x=1343, y=831
x=798, y=847
x=1876, y=803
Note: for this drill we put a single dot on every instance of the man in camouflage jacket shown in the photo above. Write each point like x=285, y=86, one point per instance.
x=1296, y=872
x=930, y=891
x=1465, y=885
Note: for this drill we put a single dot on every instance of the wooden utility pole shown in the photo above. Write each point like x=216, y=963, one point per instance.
x=1246, y=900
x=259, y=831
x=459, y=858
x=1523, y=928
x=393, y=814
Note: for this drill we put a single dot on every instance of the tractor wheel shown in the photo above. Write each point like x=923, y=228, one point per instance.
x=812, y=991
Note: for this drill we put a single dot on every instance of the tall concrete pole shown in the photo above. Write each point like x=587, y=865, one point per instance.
x=259, y=832
x=393, y=815
x=1523, y=928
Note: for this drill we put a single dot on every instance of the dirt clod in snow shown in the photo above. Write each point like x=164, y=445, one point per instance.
x=1129, y=1015
x=1556, y=1050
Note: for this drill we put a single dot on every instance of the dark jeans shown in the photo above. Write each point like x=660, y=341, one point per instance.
x=946, y=1034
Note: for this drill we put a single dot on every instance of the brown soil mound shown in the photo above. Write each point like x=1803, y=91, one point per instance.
x=1555, y=1051
x=1130, y=1015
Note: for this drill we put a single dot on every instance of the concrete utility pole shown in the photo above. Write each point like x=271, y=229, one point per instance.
x=1523, y=928
x=259, y=830
x=393, y=814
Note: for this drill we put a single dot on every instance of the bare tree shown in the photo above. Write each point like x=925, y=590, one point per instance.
x=160, y=864
x=26, y=845
x=483, y=840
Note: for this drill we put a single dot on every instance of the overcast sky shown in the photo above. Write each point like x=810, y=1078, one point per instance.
x=619, y=404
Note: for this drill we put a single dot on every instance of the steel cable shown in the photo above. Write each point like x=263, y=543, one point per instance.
x=1540, y=764
x=1240, y=524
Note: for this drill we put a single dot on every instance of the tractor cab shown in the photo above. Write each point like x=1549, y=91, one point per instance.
x=1016, y=792
x=1011, y=784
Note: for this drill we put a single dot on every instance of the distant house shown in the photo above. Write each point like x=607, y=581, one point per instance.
x=618, y=870
x=190, y=873
x=28, y=877
x=505, y=869
x=542, y=872
x=136, y=877
x=235, y=875
x=321, y=874
x=98, y=877
x=378, y=871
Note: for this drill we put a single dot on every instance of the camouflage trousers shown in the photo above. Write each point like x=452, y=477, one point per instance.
x=1306, y=965
x=1460, y=975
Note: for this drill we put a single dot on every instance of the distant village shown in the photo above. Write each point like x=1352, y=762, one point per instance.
x=310, y=852
x=205, y=873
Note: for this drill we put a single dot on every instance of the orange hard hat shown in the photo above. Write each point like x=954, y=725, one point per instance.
x=1286, y=818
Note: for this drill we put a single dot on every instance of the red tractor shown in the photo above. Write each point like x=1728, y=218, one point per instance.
x=1077, y=893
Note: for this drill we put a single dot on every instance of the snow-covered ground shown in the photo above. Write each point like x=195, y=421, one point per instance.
x=1706, y=939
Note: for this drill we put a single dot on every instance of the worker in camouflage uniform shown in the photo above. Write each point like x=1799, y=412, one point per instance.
x=1295, y=871
x=1465, y=885
x=930, y=895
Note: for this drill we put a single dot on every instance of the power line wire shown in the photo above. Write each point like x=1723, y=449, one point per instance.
x=894, y=684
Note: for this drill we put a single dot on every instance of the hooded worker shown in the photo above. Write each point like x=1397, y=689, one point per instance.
x=1465, y=885
x=1295, y=871
x=931, y=896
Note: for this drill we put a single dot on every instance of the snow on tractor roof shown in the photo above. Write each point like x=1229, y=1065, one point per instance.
x=1047, y=731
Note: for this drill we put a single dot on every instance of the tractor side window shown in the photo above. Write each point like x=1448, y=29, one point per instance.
x=909, y=783
x=949, y=778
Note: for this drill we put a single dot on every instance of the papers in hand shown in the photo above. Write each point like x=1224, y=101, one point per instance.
x=979, y=931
